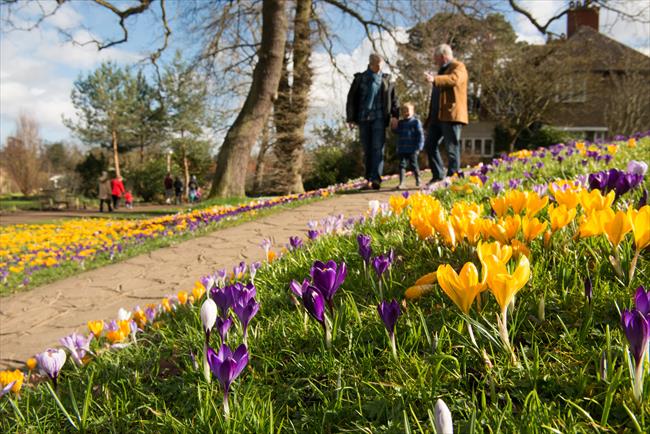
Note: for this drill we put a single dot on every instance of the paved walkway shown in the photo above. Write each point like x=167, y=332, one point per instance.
x=32, y=321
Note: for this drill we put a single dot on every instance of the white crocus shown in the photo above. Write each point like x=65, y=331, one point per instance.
x=208, y=314
x=123, y=314
x=444, y=424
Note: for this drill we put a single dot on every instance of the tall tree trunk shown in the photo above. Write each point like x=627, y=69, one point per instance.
x=186, y=170
x=289, y=147
x=259, y=167
x=232, y=161
x=116, y=154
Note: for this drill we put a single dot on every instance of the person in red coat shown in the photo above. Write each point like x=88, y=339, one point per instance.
x=117, y=190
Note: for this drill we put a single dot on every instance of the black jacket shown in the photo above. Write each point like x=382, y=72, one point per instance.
x=391, y=105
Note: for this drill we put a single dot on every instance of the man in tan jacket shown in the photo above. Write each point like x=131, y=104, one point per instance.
x=447, y=111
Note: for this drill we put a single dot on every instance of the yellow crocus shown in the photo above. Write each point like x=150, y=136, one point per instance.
x=640, y=221
x=631, y=143
x=616, y=229
x=517, y=200
x=499, y=205
x=502, y=252
x=15, y=376
x=397, y=203
x=568, y=196
x=422, y=286
x=96, y=327
x=182, y=297
x=519, y=248
x=461, y=288
x=31, y=363
x=593, y=224
x=198, y=290
x=535, y=203
x=115, y=336
x=140, y=318
x=561, y=216
x=531, y=228
x=594, y=200
x=504, y=285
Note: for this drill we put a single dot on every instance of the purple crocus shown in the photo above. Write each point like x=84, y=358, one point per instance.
x=223, y=298
x=598, y=181
x=314, y=302
x=328, y=278
x=389, y=312
x=365, y=250
x=245, y=312
x=642, y=301
x=253, y=269
x=382, y=262
x=50, y=362
x=497, y=187
x=222, y=326
x=295, y=243
x=239, y=270
x=637, y=331
x=297, y=288
x=77, y=345
x=227, y=366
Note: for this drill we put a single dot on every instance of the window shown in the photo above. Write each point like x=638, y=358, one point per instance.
x=488, y=148
x=468, y=146
x=477, y=146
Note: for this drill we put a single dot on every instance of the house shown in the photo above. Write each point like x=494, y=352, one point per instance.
x=608, y=94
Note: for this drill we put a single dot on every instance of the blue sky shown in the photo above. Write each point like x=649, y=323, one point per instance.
x=38, y=68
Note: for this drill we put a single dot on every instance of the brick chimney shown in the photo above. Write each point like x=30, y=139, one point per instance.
x=581, y=13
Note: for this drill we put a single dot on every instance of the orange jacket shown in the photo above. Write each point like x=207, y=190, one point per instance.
x=453, y=94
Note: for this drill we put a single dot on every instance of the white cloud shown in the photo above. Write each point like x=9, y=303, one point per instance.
x=37, y=72
x=330, y=87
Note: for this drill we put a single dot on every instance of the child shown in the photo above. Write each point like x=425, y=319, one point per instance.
x=128, y=199
x=410, y=141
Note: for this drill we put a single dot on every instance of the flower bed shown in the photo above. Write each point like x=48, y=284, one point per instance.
x=29, y=249
x=511, y=299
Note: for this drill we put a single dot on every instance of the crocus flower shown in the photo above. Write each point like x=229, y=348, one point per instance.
x=239, y=270
x=297, y=288
x=208, y=315
x=380, y=264
x=123, y=314
x=314, y=303
x=208, y=319
x=50, y=362
x=11, y=381
x=642, y=301
x=637, y=167
x=365, y=250
x=253, y=269
x=96, y=327
x=504, y=286
x=295, y=242
x=246, y=312
x=77, y=345
x=223, y=298
x=461, y=288
x=222, y=326
x=227, y=366
x=637, y=331
x=443, y=421
x=328, y=278
x=389, y=312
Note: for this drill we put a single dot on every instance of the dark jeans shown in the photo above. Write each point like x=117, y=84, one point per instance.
x=449, y=134
x=108, y=204
x=372, y=135
x=116, y=200
x=406, y=160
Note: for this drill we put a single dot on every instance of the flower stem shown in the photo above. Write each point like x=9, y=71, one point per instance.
x=226, y=407
x=206, y=365
x=637, y=389
x=328, y=333
x=393, y=345
x=633, y=264
x=471, y=334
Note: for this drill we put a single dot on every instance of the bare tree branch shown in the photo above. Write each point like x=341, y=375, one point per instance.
x=543, y=28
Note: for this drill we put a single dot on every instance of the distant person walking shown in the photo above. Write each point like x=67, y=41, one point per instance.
x=117, y=190
x=447, y=111
x=105, y=192
x=410, y=141
x=178, y=189
x=128, y=199
x=371, y=104
x=169, y=188
x=193, y=187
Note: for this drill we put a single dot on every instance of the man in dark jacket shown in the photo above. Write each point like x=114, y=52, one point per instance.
x=371, y=106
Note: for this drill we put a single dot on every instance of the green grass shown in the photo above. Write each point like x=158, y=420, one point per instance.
x=294, y=384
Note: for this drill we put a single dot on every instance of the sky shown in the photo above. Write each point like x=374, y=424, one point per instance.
x=38, y=67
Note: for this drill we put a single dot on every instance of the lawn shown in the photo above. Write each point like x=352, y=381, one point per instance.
x=558, y=363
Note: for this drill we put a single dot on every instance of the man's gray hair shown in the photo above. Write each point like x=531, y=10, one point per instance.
x=444, y=50
x=374, y=58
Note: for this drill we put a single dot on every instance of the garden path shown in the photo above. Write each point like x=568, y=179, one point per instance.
x=34, y=320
